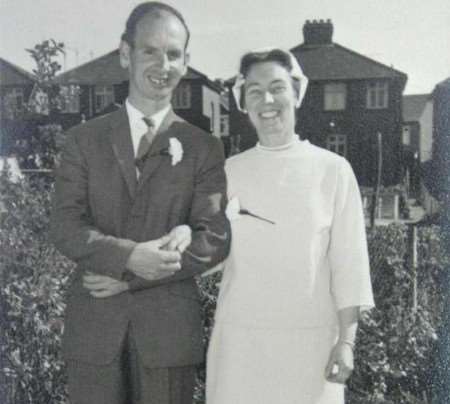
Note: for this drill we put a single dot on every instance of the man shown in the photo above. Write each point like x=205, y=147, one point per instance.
x=139, y=206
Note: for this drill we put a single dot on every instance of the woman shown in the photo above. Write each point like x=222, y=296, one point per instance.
x=298, y=273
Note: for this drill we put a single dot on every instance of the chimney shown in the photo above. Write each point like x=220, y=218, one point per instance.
x=318, y=32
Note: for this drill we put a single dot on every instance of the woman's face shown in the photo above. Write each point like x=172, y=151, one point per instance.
x=270, y=101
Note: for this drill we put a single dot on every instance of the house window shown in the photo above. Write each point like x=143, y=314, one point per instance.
x=182, y=96
x=335, y=96
x=70, y=99
x=406, y=136
x=13, y=101
x=104, y=96
x=337, y=144
x=377, y=95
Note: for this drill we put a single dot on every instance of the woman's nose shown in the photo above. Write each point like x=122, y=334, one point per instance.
x=268, y=97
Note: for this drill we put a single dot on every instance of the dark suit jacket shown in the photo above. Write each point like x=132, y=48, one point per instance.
x=101, y=211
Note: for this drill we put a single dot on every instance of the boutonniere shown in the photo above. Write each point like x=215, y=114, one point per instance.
x=175, y=150
x=234, y=210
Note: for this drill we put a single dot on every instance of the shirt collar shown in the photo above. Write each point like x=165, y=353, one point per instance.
x=135, y=116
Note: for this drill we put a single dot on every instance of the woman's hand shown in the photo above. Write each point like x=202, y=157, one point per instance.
x=340, y=363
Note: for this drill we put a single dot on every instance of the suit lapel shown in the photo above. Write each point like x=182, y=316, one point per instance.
x=160, y=143
x=123, y=148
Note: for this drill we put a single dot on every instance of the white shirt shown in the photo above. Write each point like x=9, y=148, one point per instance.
x=137, y=125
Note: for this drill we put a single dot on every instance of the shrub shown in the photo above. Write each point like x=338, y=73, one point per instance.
x=395, y=341
x=394, y=347
x=33, y=283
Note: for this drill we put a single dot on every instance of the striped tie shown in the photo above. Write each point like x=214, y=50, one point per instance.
x=144, y=144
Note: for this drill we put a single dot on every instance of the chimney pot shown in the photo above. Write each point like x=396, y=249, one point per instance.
x=318, y=32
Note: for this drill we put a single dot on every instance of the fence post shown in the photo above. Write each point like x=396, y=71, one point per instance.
x=412, y=253
x=396, y=208
x=380, y=208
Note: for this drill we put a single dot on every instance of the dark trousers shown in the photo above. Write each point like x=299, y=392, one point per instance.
x=127, y=381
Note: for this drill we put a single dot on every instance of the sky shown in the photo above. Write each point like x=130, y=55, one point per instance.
x=413, y=36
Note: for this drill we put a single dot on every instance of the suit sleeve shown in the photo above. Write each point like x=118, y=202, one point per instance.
x=211, y=234
x=347, y=254
x=71, y=225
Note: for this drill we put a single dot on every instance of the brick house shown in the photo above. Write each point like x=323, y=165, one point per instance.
x=16, y=86
x=101, y=85
x=349, y=100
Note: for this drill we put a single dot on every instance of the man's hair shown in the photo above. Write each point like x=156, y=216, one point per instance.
x=158, y=10
x=279, y=56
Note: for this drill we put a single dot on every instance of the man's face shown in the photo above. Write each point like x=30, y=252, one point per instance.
x=158, y=59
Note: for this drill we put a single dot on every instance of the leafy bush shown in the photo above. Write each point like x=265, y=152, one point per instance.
x=33, y=283
x=395, y=342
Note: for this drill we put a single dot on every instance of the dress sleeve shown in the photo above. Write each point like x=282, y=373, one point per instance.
x=348, y=256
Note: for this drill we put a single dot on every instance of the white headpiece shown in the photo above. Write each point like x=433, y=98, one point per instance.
x=296, y=73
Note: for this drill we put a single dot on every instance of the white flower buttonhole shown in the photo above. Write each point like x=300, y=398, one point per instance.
x=175, y=150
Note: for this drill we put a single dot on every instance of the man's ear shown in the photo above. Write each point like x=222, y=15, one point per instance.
x=124, y=53
x=187, y=58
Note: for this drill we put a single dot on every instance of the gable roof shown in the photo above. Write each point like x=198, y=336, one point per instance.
x=413, y=106
x=106, y=70
x=10, y=74
x=336, y=62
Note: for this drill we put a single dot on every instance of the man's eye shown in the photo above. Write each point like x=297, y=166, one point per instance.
x=254, y=92
x=173, y=55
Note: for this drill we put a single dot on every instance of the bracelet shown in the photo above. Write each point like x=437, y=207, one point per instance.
x=346, y=342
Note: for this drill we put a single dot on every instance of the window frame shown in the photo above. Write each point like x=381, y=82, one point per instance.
x=104, y=91
x=71, y=98
x=334, y=145
x=377, y=95
x=332, y=94
x=182, y=96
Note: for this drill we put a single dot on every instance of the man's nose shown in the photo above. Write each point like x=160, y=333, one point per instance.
x=164, y=62
x=268, y=97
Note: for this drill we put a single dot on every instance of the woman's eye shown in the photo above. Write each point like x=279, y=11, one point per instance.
x=278, y=89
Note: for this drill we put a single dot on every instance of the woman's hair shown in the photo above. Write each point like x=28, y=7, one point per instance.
x=276, y=55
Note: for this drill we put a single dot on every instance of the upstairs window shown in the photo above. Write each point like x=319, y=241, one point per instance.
x=104, y=96
x=335, y=96
x=337, y=144
x=377, y=95
x=182, y=96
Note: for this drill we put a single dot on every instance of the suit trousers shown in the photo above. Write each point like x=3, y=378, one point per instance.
x=127, y=381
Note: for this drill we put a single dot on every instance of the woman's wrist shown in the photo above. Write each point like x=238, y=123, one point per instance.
x=348, y=342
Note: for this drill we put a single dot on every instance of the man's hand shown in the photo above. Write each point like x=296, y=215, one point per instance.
x=151, y=260
x=340, y=363
x=181, y=238
x=102, y=286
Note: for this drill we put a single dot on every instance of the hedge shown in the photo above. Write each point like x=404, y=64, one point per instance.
x=395, y=346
